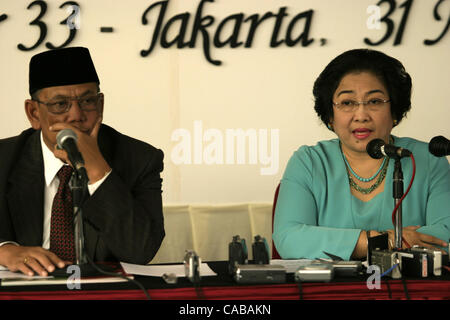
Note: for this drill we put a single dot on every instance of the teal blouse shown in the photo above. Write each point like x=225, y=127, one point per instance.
x=316, y=211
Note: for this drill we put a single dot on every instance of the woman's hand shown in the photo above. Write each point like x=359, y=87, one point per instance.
x=413, y=237
x=409, y=234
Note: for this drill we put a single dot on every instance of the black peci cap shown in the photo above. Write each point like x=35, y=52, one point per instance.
x=61, y=67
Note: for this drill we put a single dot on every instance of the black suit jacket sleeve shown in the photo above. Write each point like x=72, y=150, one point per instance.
x=123, y=218
x=13, y=226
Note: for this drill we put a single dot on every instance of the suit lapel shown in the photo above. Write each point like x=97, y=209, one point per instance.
x=26, y=193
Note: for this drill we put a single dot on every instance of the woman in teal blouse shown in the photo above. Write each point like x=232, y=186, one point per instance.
x=332, y=192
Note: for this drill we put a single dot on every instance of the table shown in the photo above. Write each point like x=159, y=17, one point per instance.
x=222, y=286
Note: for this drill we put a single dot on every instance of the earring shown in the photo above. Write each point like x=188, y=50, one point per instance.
x=330, y=126
x=395, y=122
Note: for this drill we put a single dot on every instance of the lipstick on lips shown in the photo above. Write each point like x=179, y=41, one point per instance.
x=361, y=133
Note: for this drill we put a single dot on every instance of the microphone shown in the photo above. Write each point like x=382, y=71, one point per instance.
x=378, y=149
x=439, y=146
x=67, y=140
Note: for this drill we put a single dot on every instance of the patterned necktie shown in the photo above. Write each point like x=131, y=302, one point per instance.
x=61, y=229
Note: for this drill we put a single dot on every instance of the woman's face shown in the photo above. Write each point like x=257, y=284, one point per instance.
x=356, y=126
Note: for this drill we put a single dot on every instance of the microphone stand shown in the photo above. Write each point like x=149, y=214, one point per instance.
x=398, y=194
x=78, y=186
x=80, y=193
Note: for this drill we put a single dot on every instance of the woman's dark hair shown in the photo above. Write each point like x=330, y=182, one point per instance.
x=388, y=70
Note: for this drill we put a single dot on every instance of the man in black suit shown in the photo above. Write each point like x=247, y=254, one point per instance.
x=123, y=218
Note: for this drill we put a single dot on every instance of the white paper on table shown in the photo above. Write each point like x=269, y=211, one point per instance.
x=159, y=270
x=17, y=275
x=291, y=265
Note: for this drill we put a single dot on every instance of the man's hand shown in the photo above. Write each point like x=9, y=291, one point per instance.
x=96, y=166
x=29, y=260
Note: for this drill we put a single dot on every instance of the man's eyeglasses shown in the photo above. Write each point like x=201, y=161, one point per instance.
x=59, y=106
x=348, y=105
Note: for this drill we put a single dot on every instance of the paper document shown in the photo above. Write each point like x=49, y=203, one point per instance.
x=159, y=270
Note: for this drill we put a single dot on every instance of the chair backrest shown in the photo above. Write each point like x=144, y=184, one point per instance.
x=275, y=254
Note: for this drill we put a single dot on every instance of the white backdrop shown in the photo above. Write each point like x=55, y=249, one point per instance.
x=174, y=94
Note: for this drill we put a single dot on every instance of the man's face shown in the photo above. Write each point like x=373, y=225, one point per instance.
x=41, y=117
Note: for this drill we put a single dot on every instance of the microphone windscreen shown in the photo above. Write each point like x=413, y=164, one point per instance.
x=439, y=146
x=65, y=134
x=373, y=148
